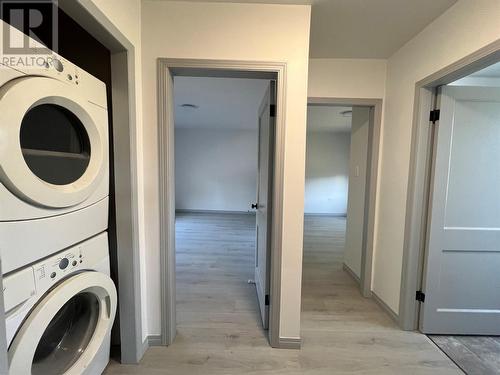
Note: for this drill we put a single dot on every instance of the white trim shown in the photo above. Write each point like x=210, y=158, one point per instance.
x=154, y=340
x=351, y=273
x=386, y=308
x=290, y=343
x=166, y=67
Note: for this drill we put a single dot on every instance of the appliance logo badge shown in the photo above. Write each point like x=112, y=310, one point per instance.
x=30, y=33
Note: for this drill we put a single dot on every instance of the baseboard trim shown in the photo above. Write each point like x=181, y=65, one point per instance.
x=324, y=214
x=386, y=308
x=145, y=347
x=289, y=343
x=154, y=340
x=351, y=273
x=190, y=211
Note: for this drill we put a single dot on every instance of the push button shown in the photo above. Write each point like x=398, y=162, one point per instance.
x=52, y=275
x=58, y=65
x=63, y=263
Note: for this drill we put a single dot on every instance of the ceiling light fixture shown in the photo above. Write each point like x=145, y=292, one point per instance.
x=189, y=106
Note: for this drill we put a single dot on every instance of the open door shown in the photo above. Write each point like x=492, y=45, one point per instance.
x=263, y=205
x=461, y=277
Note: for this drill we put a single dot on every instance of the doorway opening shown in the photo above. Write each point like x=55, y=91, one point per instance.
x=341, y=165
x=459, y=307
x=226, y=207
x=223, y=162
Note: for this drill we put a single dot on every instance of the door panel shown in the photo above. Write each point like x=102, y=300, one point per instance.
x=264, y=212
x=462, y=281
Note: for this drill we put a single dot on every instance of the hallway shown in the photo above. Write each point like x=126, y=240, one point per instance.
x=219, y=328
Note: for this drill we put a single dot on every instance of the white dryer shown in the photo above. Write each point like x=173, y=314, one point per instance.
x=59, y=312
x=54, y=165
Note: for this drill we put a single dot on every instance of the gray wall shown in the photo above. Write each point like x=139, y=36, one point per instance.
x=327, y=170
x=215, y=169
x=357, y=188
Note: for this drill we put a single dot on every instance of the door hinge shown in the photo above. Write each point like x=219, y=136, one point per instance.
x=434, y=115
x=266, y=300
x=272, y=110
x=420, y=296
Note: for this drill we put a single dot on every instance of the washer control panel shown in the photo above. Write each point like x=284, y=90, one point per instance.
x=83, y=256
x=60, y=265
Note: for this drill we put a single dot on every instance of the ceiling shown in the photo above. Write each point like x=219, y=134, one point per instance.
x=223, y=103
x=492, y=71
x=363, y=28
x=328, y=119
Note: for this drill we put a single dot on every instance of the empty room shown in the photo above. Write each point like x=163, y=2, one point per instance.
x=219, y=151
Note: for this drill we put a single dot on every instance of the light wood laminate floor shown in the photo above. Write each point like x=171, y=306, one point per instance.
x=219, y=328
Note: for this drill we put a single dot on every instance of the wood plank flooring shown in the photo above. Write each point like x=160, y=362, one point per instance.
x=475, y=355
x=219, y=328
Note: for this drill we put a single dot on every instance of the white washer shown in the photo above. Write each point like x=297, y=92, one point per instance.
x=54, y=165
x=59, y=312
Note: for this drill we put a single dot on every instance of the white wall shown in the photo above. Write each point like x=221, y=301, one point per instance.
x=464, y=28
x=357, y=188
x=215, y=169
x=129, y=24
x=347, y=78
x=327, y=169
x=256, y=32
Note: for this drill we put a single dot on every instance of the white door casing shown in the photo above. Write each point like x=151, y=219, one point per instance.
x=461, y=277
x=264, y=205
x=17, y=98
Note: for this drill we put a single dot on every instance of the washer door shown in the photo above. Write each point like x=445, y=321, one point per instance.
x=52, y=151
x=65, y=330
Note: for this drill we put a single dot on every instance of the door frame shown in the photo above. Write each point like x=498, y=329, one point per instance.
x=126, y=166
x=419, y=177
x=167, y=68
x=365, y=283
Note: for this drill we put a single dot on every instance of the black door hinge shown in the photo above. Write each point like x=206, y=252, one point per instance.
x=266, y=300
x=272, y=110
x=420, y=296
x=434, y=115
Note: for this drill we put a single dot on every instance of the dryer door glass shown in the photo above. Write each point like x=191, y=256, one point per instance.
x=55, y=144
x=67, y=336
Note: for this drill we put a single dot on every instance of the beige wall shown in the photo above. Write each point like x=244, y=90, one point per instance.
x=463, y=29
x=347, y=78
x=129, y=24
x=234, y=32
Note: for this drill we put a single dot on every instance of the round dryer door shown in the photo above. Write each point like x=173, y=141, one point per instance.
x=52, y=142
x=66, y=329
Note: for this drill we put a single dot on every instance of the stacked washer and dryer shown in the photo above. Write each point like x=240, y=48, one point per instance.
x=60, y=302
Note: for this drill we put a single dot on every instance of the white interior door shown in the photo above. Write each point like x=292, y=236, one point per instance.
x=462, y=271
x=263, y=205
